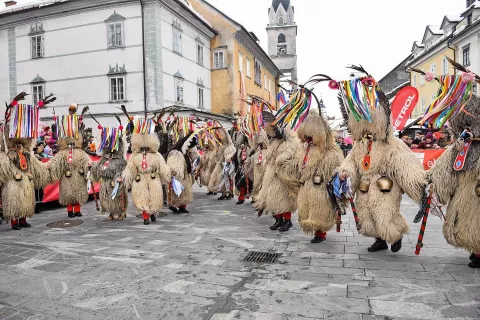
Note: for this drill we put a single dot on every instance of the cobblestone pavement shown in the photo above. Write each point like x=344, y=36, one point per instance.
x=190, y=267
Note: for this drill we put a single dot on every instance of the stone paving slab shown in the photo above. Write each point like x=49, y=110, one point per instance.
x=191, y=266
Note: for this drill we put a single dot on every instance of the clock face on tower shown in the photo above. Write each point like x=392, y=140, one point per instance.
x=282, y=49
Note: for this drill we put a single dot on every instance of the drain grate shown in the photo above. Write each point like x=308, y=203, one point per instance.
x=262, y=257
x=65, y=224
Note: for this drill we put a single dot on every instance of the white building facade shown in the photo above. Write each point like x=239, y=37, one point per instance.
x=142, y=54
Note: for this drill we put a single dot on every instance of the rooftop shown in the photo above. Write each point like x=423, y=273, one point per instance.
x=28, y=5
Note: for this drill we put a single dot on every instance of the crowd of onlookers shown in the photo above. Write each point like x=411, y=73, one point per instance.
x=430, y=140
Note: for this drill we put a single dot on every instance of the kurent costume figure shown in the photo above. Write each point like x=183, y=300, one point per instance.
x=224, y=154
x=278, y=195
x=381, y=167
x=456, y=174
x=180, y=163
x=70, y=164
x=258, y=162
x=243, y=171
x=146, y=170
x=316, y=165
x=20, y=172
x=205, y=167
x=108, y=171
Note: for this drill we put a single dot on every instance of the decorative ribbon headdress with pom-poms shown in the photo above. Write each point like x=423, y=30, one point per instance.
x=110, y=138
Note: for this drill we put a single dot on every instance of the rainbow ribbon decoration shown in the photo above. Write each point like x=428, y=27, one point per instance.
x=67, y=126
x=454, y=94
x=142, y=126
x=295, y=111
x=359, y=98
x=111, y=138
x=253, y=122
x=25, y=122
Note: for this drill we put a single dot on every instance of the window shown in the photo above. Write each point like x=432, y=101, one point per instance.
x=37, y=46
x=280, y=21
x=219, y=60
x=447, y=31
x=415, y=80
x=179, y=90
x=433, y=98
x=177, y=41
x=422, y=80
x=469, y=19
x=199, y=54
x=38, y=93
x=423, y=104
x=466, y=55
x=269, y=86
x=281, y=38
x=433, y=68
x=115, y=35
x=258, y=73
x=445, y=66
x=200, y=98
x=117, y=88
x=240, y=62
x=249, y=71
x=265, y=82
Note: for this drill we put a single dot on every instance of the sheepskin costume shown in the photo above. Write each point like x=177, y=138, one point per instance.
x=243, y=176
x=70, y=164
x=257, y=162
x=108, y=172
x=146, y=170
x=20, y=174
x=205, y=164
x=460, y=189
x=278, y=194
x=391, y=164
x=180, y=163
x=316, y=165
x=224, y=153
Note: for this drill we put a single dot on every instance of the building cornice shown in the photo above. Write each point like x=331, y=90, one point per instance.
x=432, y=52
x=467, y=32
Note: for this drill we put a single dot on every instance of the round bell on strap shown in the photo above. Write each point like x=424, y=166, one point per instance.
x=385, y=184
x=364, y=186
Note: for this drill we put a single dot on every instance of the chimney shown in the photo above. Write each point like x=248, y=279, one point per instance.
x=10, y=3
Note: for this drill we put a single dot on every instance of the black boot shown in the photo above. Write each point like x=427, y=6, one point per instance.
x=475, y=263
x=15, y=225
x=287, y=224
x=174, y=210
x=397, y=246
x=472, y=256
x=378, y=245
x=209, y=194
x=71, y=214
x=278, y=223
x=223, y=197
x=146, y=222
x=317, y=239
x=153, y=218
x=78, y=214
x=24, y=224
x=240, y=202
x=183, y=210
x=230, y=196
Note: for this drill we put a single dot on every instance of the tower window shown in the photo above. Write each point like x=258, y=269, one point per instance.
x=280, y=21
x=281, y=38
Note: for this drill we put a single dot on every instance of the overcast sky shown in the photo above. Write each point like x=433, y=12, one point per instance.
x=332, y=34
x=377, y=34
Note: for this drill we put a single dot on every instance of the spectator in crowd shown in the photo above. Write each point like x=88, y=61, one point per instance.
x=39, y=153
x=415, y=143
x=92, y=147
x=428, y=143
x=407, y=140
x=445, y=140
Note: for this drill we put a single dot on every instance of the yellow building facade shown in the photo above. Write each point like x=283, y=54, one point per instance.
x=240, y=67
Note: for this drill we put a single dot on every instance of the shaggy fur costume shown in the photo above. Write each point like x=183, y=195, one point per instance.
x=315, y=212
x=18, y=196
x=260, y=143
x=457, y=188
x=379, y=212
x=73, y=189
x=107, y=174
x=279, y=190
x=176, y=162
x=224, y=152
x=204, y=165
x=147, y=194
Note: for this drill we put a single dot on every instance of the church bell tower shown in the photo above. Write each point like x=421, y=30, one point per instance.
x=282, y=40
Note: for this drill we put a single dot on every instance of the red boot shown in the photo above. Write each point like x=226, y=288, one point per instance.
x=24, y=224
x=15, y=225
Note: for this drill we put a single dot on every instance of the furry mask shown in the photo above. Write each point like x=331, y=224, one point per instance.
x=316, y=128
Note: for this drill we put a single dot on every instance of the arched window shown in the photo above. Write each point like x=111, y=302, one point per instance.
x=281, y=38
x=280, y=21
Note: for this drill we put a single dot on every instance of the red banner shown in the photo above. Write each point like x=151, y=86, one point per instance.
x=402, y=106
x=429, y=156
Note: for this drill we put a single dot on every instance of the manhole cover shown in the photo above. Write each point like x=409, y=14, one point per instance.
x=65, y=224
x=159, y=215
x=263, y=257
